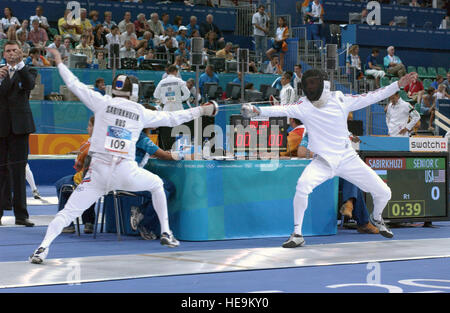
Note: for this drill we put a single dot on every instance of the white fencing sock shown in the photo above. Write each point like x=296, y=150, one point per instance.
x=160, y=204
x=30, y=178
x=300, y=205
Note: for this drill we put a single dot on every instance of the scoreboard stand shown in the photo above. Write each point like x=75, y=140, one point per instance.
x=418, y=181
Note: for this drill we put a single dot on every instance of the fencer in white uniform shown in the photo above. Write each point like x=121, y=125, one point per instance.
x=324, y=114
x=398, y=112
x=172, y=91
x=287, y=93
x=118, y=125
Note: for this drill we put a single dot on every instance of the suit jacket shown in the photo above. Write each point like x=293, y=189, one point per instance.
x=15, y=111
x=205, y=28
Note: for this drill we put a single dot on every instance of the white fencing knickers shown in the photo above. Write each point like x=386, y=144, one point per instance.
x=351, y=168
x=107, y=173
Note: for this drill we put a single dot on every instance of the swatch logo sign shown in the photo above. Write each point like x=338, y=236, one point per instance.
x=428, y=144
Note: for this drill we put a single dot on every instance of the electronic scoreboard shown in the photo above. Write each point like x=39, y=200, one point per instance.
x=418, y=182
x=259, y=134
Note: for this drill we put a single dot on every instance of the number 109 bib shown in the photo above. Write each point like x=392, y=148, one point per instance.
x=118, y=139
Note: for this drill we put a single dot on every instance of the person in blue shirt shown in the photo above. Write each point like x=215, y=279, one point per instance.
x=237, y=80
x=165, y=21
x=372, y=69
x=144, y=218
x=100, y=86
x=354, y=204
x=208, y=77
x=192, y=26
x=182, y=36
x=439, y=80
x=182, y=51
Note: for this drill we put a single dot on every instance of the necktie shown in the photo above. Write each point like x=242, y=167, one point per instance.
x=11, y=72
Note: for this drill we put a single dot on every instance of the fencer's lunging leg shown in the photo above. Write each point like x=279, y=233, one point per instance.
x=314, y=174
x=354, y=170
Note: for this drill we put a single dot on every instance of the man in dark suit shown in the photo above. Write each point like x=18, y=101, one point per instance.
x=16, y=123
x=210, y=26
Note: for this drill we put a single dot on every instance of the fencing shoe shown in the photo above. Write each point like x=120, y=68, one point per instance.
x=136, y=217
x=39, y=255
x=294, y=241
x=146, y=234
x=169, y=240
x=384, y=230
x=36, y=194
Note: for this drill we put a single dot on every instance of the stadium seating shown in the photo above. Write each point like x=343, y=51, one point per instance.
x=427, y=83
x=441, y=71
x=432, y=71
x=411, y=69
x=394, y=79
x=385, y=81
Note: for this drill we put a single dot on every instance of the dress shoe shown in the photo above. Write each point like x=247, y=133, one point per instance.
x=25, y=222
x=347, y=209
x=368, y=229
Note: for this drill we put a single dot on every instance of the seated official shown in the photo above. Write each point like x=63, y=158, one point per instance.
x=81, y=167
x=208, y=77
x=238, y=79
x=144, y=218
x=294, y=137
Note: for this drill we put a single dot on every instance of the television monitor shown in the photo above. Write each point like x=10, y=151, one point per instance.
x=229, y=89
x=218, y=63
x=146, y=90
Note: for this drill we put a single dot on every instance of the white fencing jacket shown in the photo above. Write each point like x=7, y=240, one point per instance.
x=327, y=126
x=397, y=117
x=118, y=121
x=172, y=91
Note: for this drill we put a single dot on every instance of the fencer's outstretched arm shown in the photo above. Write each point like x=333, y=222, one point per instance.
x=248, y=110
x=92, y=99
x=356, y=102
x=153, y=119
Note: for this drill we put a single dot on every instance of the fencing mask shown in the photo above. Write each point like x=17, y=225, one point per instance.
x=316, y=86
x=126, y=86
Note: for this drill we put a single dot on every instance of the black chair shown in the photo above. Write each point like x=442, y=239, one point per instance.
x=117, y=211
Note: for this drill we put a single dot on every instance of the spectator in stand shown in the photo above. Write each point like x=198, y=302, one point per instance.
x=23, y=29
x=393, y=64
x=36, y=59
x=141, y=25
x=279, y=44
x=314, y=15
x=127, y=50
x=126, y=20
x=260, y=22
x=100, y=86
x=177, y=23
x=170, y=34
x=414, y=3
x=67, y=48
x=226, y=52
x=84, y=21
x=210, y=26
x=415, y=89
x=195, y=33
x=273, y=67
x=100, y=41
x=211, y=45
x=165, y=21
x=24, y=44
x=182, y=51
x=113, y=37
x=441, y=93
x=71, y=28
x=182, y=36
x=149, y=37
x=181, y=63
x=108, y=23
x=439, y=80
x=447, y=82
x=37, y=36
x=207, y=77
x=156, y=25
x=57, y=44
x=428, y=106
x=9, y=23
x=150, y=55
x=129, y=34
x=372, y=69
x=354, y=61
x=84, y=48
x=93, y=18
x=43, y=23
x=364, y=14
x=192, y=26
x=166, y=50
